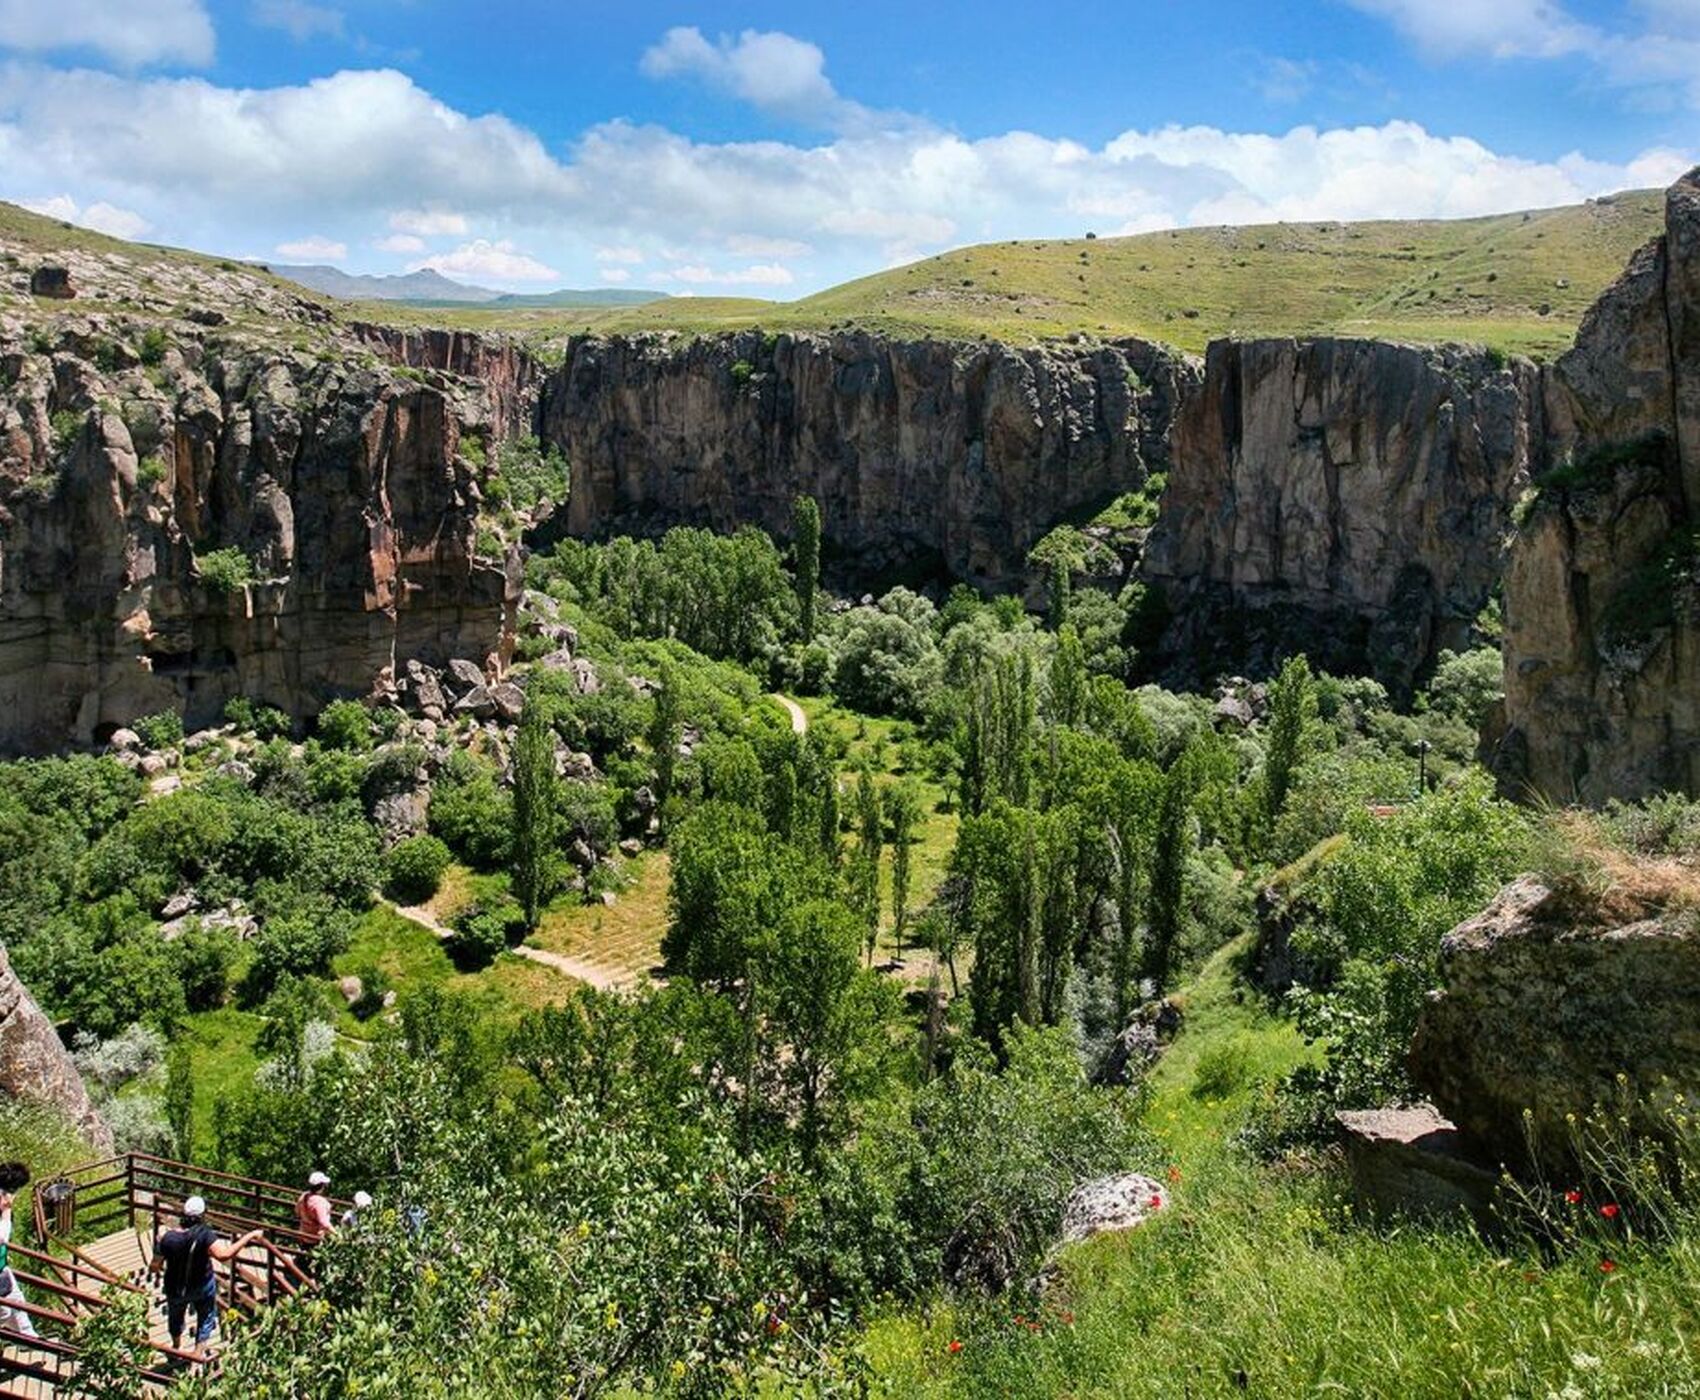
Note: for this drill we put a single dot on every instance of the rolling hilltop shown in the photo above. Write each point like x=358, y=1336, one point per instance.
x=1518, y=281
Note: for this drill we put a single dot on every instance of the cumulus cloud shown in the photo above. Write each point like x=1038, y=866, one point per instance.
x=365, y=149
x=128, y=32
x=484, y=260
x=771, y=70
x=616, y=274
x=298, y=19
x=101, y=217
x=314, y=248
x=1662, y=53
x=400, y=243
x=429, y=223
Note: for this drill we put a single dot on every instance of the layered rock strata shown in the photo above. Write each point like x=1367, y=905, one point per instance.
x=954, y=454
x=1350, y=499
x=1602, y=595
x=231, y=518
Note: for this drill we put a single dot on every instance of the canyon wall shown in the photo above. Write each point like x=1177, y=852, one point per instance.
x=1602, y=595
x=1350, y=499
x=334, y=482
x=919, y=452
x=36, y=1067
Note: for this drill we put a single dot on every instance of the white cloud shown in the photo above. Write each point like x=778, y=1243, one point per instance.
x=129, y=32
x=751, y=245
x=1284, y=80
x=226, y=167
x=100, y=216
x=429, y=223
x=314, y=248
x=497, y=261
x=616, y=274
x=757, y=275
x=1662, y=56
x=399, y=243
x=771, y=70
x=298, y=19
x=1499, y=28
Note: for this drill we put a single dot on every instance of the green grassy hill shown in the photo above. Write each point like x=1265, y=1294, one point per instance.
x=1519, y=281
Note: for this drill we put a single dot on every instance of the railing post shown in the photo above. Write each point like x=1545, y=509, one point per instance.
x=130, y=1188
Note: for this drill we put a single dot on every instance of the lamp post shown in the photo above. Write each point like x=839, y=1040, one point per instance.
x=1423, y=747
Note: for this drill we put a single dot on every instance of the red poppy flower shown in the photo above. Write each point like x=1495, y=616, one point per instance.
x=954, y=1347
x=1607, y=1265
x=1574, y=1197
x=1609, y=1210
x=1156, y=1203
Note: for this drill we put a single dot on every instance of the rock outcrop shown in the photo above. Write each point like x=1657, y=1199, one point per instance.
x=35, y=1065
x=1602, y=596
x=919, y=452
x=1547, y=1014
x=1411, y=1161
x=232, y=518
x=1346, y=498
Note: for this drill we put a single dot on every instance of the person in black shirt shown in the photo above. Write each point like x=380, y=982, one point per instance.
x=186, y=1257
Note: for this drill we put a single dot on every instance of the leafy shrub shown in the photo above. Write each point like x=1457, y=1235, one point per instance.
x=527, y=476
x=414, y=869
x=225, y=570
x=472, y=448
x=153, y=345
x=471, y=813
x=1466, y=685
x=67, y=426
x=150, y=471
x=481, y=933
x=741, y=372
x=263, y=721
x=345, y=725
x=163, y=730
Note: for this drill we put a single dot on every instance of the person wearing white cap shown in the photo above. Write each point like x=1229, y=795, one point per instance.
x=186, y=1257
x=313, y=1210
x=351, y=1216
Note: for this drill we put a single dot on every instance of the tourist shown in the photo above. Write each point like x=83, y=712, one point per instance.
x=14, y=1176
x=313, y=1210
x=186, y=1257
x=351, y=1216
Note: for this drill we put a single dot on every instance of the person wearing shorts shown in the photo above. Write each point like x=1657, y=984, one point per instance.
x=186, y=1257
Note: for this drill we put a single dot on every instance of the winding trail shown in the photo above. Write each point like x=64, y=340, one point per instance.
x=599, y=977
x=799, y=719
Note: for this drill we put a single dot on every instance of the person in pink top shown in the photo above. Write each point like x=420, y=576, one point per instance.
x=313, y=1209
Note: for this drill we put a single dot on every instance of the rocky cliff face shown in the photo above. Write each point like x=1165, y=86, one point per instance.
x=190, y=514
x=960, y=454
x=1346, y=498
x=1602, y=594
x=34, y=1064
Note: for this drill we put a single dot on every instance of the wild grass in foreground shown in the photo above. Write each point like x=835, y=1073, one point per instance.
x=1262, y=1280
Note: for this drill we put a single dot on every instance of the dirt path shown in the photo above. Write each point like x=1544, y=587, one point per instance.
x=799, y=720
x=599, y=977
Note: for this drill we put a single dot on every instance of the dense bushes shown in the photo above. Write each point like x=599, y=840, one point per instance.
x=414, y=868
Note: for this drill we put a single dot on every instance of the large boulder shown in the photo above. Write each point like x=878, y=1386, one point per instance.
x=1411, y=1161
x=34, y=1064
x=1545, y=1013
x=1111, y=1203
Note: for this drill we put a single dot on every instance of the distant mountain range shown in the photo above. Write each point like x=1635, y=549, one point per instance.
x=428, y=288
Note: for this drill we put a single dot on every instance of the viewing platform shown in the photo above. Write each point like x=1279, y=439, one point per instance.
x=96, y=1227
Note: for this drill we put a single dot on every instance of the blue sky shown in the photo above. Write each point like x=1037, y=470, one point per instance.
x=773, y=149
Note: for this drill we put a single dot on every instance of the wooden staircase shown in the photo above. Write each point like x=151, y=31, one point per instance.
x=132, y=1200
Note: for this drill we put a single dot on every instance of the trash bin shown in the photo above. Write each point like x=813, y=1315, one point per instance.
x=59, y=1202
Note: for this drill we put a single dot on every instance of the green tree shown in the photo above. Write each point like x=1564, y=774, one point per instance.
x=1292, y=708
x=902, y=814
x=1170, y=848
x=1069, y=680
x=824, y=1009
x=1057, y=588
x=805, y=531
x=536, y=817
x=664, y=730
x=865, y=873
